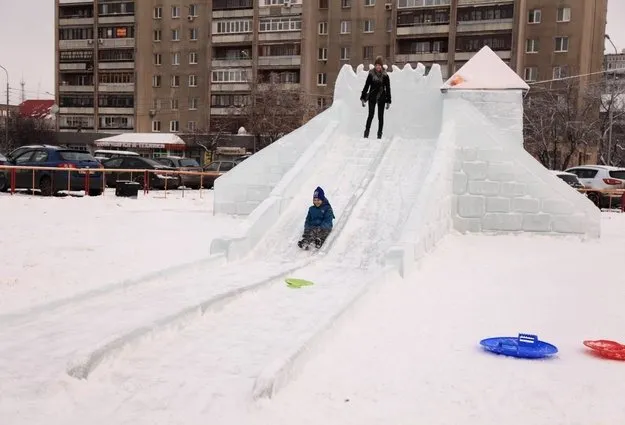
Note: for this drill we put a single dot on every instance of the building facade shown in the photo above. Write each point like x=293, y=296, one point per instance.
x=184, y=66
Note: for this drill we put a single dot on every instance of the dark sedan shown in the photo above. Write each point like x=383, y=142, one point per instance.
x=157, y=180
x=184, y=164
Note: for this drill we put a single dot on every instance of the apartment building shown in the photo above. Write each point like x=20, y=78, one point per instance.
x=614, y=61
x=95, y=65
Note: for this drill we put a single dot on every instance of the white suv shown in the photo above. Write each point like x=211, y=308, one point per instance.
x=601, y=177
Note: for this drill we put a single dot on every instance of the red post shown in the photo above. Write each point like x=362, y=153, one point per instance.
x=623, y=202
x=13, y=177
x=146, y=184
x=87, y=183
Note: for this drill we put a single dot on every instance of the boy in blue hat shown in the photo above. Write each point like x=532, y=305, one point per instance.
x=318, y=221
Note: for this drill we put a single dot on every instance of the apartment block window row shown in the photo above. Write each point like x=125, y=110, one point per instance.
x=420, y=3
x=72, y=12
x=412, y=47
x=76, y=56
x=120, y=8
x=230, y=76
x=279, y=77
x=116, y=77
x=228, y=100
x=117, y=122
x=232, y=4
x=486, y=13
x=232, y=53
x=263, y=3
x=280, y=50
x=72, y=79
x=423, y=17
x=85, y=33
x=75, y=121
x=116, y=32
x=563, y=14
x=116, y=55
x=233, y=26
x=473, y=43
x=76, y=101
x=116, y=101
x=280, y=24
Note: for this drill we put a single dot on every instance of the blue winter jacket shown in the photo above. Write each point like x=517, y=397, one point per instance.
x=321, y=216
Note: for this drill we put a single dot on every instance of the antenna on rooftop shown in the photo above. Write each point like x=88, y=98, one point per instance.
x=23, y=84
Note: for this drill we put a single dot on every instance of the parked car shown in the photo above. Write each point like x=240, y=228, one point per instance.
x=217, y=168
x=50, y=182
x=184, y=164
x=601, y=177
x=4, y=179
x=569, y=178
x=157, y=181
x=18, y=151
x=103, y=154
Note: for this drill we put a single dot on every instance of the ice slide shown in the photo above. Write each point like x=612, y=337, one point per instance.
x=373, y=186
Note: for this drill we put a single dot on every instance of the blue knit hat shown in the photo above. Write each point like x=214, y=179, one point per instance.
x=319, y=194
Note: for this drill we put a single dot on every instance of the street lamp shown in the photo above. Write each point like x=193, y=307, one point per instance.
x=6, y=122
x=611, y=113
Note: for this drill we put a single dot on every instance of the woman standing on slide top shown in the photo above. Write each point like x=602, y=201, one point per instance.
x=377, y=91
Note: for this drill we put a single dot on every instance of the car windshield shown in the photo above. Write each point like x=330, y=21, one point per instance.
x=618, y=174
x=569, y=179
x=152, y=162
x=76, y=156
x=189, y=162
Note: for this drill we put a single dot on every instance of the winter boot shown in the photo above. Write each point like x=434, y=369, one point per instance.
x=303, y=244
x=366, y=134
x=379, y=135
x=318, y=243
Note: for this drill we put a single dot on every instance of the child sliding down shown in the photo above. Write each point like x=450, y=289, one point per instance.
x=318, y=221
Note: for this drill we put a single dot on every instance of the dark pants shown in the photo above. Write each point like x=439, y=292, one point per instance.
x=372, y=104
x=313, y=233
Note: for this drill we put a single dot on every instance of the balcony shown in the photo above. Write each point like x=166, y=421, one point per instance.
x=116, y=87
x=76, y=89
x=234, y=13
x=232, y=38
x=115, y=43
x=445, y=3
x=73, y=66
x=76, y=111
x=482, y=2
x=279, y=36
x=66, y=22
x=267, y=11
x=280, y=86
x=86, y=43
x=231, y=63
x=274, y=61
x=465, y=56
x=230, y=87
x=117, y=111
x=421, y=57
x=124, y=19
x=485, y=26
x=422, y=29
x=116, y=65
x=225, y=110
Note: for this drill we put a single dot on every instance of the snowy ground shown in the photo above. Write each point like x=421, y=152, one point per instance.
x=54, y=248
x=406, y=354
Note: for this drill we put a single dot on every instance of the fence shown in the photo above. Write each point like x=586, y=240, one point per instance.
x=93, y=180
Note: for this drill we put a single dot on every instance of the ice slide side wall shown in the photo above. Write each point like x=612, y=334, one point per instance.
x=500, y=187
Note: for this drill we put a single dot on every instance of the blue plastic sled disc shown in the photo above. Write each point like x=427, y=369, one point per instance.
x=525, y=346
x=297, y=283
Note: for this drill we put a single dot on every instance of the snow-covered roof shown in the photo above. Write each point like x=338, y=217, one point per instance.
x=485, y=71
x=141, y=140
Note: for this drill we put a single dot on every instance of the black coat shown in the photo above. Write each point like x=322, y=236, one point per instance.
x=378, y=86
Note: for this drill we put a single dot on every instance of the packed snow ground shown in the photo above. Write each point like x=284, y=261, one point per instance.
x=54, y=248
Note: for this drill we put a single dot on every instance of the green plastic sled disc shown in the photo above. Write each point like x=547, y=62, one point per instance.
x=297, y=283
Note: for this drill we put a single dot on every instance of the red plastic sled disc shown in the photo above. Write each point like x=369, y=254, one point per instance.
x=606, y=348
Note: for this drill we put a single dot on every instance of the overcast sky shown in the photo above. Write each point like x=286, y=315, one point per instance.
x=27, y=44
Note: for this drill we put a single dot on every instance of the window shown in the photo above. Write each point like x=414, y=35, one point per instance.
x=115, y=77
x=560, y=72
x=175, y=58
x=156, y=81
x=228, y=100
x=280, y=50
x=280, y=24
x=174, y=126
x=230, y=76
x=193, y=103
x=322, y=79
x=369, y=2
x=322, y=54
x=345, y=51
x=564, y=14
x=562, y=44
x=193, y=58
x=116, y=55
x=116, y=32
x=323, y=28
x=417, y=3
x=175, y=80
x=534, y=16
x=175, y=35
x=191, y=126
x=175, y=12
x=193, y=10
x=367, y=52
x=156, y=35
x=173, y=103
x=368, y=25
x=192, y=80
x=530, y=73
x=156, y=126
x=346, y=27
x=157, y=13
x=531, y=46
x=323, y=4
x=158, y=59
x=264, y=3
x=193, y=34
x=233, y=27
x=346, y=3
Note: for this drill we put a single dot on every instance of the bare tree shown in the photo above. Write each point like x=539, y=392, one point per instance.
x=25, y=131
x=561, y=120
x=612, y=116
x=274, y=110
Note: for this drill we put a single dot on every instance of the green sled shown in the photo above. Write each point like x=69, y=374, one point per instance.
x=297, y=283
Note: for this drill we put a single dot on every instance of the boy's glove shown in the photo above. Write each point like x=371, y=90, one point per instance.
x=388, y=105
x=363, y=103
